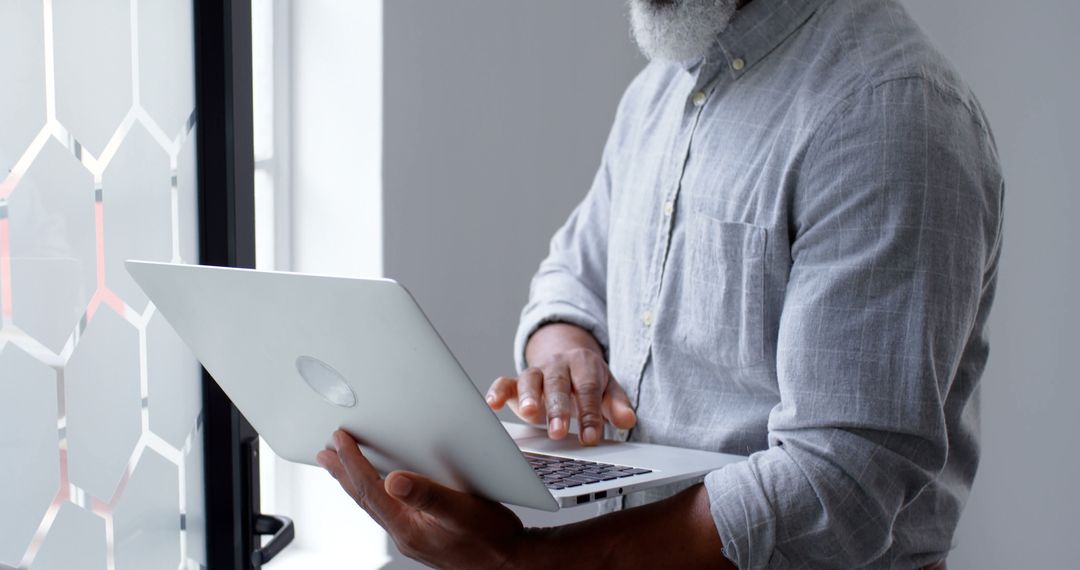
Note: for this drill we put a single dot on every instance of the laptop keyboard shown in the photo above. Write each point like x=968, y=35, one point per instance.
x=562, y=472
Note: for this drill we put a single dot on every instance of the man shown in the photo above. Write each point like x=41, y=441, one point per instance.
x=789, y=252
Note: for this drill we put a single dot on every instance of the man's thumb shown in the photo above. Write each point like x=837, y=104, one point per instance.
x=418, y=491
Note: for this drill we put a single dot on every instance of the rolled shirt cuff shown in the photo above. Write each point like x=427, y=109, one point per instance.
x=744, y=517
x=537, y=315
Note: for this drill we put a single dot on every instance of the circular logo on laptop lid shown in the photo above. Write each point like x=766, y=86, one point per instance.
x=325, y=381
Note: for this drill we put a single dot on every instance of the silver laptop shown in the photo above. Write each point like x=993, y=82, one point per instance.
x=303, y=355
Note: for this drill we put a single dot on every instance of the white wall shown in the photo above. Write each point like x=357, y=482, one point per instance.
x=327, y=171
x=495, y=115
x=336, y=124
x=1021, y=60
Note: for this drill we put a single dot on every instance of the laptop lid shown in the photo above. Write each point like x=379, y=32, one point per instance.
x=302, y=355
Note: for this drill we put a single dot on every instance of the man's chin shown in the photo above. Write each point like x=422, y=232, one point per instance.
x=679, y=30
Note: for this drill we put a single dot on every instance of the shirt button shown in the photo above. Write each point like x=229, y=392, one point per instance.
x=669, y=208
x=698, y=98
x=647, y=318
x=738, y=64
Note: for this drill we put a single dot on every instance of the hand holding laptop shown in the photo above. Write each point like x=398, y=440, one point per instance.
x=427, y=521
x=438, y=525
x=569, y=378
x=448, y=528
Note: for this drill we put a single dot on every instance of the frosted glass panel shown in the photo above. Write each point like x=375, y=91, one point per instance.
x=103, y=404
x=27, y=425
x=187, y=197
x=92, y=48
x=52, y=246
x=166, y=63
x=99, y=400
x=139, y=201
x=22, y=99
x=76, y=540
x=147, y=519
x=194, y=519
x=174, y=401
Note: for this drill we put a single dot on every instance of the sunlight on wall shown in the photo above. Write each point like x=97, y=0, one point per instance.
x=318, y=141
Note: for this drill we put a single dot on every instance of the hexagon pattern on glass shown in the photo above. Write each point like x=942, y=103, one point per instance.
x=92, y=50
x=173, y=372
x=195, y=501
x=27, y=408
x=136, y=199
x=103, y=404
x=187, y=199
x=53, y=246
x=166, y=63
x=147, y=518
x=22, y=100
x=97, y=165
x=76, y=540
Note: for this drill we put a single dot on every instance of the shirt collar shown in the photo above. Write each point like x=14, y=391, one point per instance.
x=755, y=31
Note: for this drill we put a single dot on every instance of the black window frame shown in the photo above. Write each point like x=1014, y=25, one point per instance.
x=226, y=197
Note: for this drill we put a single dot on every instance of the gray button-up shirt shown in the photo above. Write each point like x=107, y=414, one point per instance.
x=789, y=252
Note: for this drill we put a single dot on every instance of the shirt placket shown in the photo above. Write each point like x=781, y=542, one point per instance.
x=705, y=84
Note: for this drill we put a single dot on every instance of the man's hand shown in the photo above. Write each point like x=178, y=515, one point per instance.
x=568, y=378
x=428, y=522
x=445, y=528
x=449, y=529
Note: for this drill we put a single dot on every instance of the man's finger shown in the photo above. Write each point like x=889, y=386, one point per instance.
x=617, y=408
x=369, y=486
x=329, y=460
x=529, y=386
x=589, y=382
x=557, y=399
x=502, y=390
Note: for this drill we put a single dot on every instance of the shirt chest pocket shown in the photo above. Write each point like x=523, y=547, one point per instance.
x=720, y=292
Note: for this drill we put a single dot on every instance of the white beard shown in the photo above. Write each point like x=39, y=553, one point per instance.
x=682, y=31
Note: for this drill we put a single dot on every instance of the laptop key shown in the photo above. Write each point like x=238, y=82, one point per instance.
x=562, y=473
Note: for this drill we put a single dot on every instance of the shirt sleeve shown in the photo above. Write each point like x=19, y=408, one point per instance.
x=570, y=285
x=895, y=221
